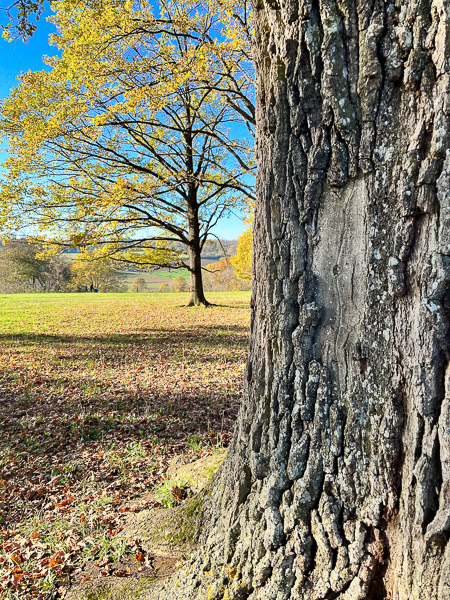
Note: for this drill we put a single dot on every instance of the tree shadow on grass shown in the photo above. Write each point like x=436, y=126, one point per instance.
x=90, y=422
x=161, y=384
x=205, y=334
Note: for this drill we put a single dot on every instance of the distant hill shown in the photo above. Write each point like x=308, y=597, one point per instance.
x=213, y=249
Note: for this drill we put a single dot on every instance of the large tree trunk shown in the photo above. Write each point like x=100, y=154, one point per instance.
x=337, y=483
x=197, y=297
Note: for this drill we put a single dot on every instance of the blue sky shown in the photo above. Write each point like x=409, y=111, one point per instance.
x=17, y=57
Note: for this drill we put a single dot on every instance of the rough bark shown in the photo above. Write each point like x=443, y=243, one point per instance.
x=197, y=297
x=337, y=482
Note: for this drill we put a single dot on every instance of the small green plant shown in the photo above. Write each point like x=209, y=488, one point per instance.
x=92, y=435
x=111, y=549
x=109, y=424
x=114, y=549
x=170, y=492
x=49, y=583
x=194, y=442
x=31, y=444
x=135, y=451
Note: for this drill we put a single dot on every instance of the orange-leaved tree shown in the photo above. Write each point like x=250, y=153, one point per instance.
x=242, y=261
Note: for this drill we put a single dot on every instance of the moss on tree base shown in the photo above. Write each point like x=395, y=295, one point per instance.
x=170, y=535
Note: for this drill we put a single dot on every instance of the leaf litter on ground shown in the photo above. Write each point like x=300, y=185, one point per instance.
x=99, y=393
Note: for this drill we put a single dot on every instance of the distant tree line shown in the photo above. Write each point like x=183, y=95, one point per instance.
x=25, y=267
x=21, y=271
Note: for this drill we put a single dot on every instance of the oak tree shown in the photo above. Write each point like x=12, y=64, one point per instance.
x=139, y=284
x=126, y=142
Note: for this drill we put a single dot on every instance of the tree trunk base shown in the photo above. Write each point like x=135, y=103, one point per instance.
x=193, y=302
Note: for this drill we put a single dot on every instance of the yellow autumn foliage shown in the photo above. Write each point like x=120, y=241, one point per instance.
x=242, y=262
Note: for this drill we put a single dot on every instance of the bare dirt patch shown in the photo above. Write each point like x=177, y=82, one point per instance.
x=155, y=532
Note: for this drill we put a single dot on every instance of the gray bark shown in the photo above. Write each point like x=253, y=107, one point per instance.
x=197, y=297
x=337, y=482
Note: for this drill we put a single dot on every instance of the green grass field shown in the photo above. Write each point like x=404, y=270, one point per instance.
x=98, y=392
x=154, y=279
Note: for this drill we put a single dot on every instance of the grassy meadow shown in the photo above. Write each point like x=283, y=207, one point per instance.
x=155, y=278
x=98, y=393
